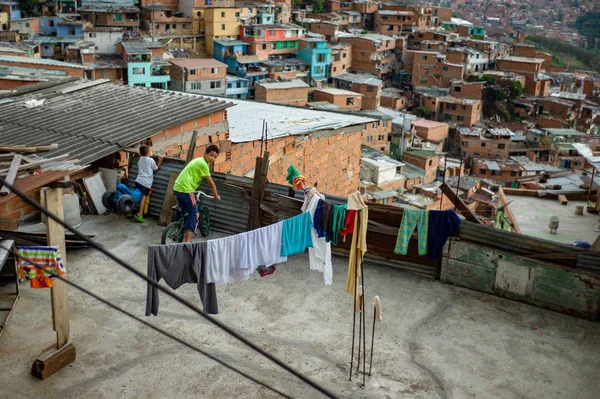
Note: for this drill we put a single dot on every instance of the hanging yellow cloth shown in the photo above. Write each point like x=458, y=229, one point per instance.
x=359, y=239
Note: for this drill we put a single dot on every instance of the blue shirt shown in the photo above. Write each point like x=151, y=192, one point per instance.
x=296, y=234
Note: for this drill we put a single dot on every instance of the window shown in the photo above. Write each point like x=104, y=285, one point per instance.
x=513, y=173
x=445, y=69
x=465, y=143
x=460, y=118
x=223, y=14
x=482, y=171
x=321, y=58
x=350, y=101
x=214, y=70
x=501, y=146
x=385, y=123
x=483, y=143
x=430, y=162
x=369, y=139
x=369, y=88
x=222, y=26
x=215, y=85
x=448, y=117
x=424, y=57
x=343, y=66
x=196, y=86
x=344, y=55
x=138, y=71
x=192, y=71
x=115, y=17
x=334, y=69
x=27, y=24
x=250, y=10
x=98, y=17
x=105, y=74
x=229, y=85
x=237, y=14
x=457, y=89
x=375, y=124
x=86, y=16
x=183, y=26
x=271, y=33
x=381, y=137
x=199, y=13
x=264, y=46
x=92, y=35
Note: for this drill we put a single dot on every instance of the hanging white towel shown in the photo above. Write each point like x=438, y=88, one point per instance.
x=261, y=247
x=319, y=256
x=223, y=260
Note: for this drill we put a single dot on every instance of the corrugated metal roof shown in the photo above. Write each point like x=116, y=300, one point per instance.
x=92, y=119
x=37, y=61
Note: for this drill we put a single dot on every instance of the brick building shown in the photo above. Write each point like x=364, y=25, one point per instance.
x=343, y=99
x=393, y=98
x=434, y=71
x=290, y=92
x=423, y=159
x=435, y=132
x=25, y=26
x=329, y=29
x=196, y=75
x=372, y=53
x=536, y=84
x=377, y=134
x=328, y=154
x=501, y=170
x=367, y=85
x=462, y=89
x=487, y=143
x=460, y=111
x=271, y=39
x=111, y=16
x=341, y=59
x=389, y=22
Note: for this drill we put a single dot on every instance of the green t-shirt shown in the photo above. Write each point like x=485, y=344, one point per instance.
x=191, y=176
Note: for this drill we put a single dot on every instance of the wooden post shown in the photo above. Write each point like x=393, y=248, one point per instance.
x=191, y=148
x=63, y=353
x=166, y=213
x=259, y=185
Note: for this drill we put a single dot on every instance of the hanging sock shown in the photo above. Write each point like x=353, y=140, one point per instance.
x=411, y=219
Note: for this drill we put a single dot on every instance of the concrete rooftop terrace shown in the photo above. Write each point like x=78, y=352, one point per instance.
x=435, y=341
x=533, y=215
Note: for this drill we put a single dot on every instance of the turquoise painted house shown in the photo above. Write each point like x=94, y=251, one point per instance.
x=317, y=54
x=234, y=53
x=143, y=67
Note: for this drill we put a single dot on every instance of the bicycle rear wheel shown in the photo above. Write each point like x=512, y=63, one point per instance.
x=173, y=233
x=203, y=221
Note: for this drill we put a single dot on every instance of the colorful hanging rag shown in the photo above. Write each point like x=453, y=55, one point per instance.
x=47, y=260
x=359, y=239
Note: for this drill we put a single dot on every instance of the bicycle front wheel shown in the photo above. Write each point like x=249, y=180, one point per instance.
x=204, y=221
x=173, y=233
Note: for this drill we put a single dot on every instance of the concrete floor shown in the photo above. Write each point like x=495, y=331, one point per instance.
x=533, y=215
x=436, y=341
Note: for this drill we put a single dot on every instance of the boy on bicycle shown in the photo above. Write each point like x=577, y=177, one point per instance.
x=187, y=183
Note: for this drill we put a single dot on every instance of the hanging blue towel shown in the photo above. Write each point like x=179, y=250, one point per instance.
x=442, y=224
x=296, y=234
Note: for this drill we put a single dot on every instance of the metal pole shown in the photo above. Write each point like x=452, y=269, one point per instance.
x=152, y=21
x=444, y=178
x=372, y=339
x=459, y=168
x=354, y=307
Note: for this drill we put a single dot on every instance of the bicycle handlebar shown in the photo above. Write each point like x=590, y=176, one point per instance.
x=199, y=193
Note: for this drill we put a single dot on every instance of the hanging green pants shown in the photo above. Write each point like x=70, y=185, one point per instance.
x=411, y=219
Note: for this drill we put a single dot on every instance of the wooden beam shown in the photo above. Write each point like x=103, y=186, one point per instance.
x=56, y=237
x=12, y=174
x=166, y=213
x=459, y=204
x=63, y=352
x=28, y=149
x=192, y=147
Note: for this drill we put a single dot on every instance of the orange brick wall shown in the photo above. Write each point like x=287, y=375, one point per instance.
x=295, y=96
x=201, y=73
x=393, y=103
x=471, y=91
x=8, y=84
x=475, y=146
x=332, y=162
x=429, y=164
x=78, y=72
x=15, y=208
x=435, y=134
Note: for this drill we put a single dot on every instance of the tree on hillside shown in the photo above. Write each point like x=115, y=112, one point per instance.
x=319, y=6
x=29, y=8
x=422, y=112
x=515, y=89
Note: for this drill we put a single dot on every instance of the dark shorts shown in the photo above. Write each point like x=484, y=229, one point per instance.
x=187, y=203
x=143, y=189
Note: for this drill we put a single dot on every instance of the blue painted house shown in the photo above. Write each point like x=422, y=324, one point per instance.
x=317, y=54
x=234, y=53
x=12, y=8
x=237, y=87
x=70, y=28
x=143, y=69
x=49, y=25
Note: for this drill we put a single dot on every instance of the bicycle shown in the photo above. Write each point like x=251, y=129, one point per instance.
x=174, y=232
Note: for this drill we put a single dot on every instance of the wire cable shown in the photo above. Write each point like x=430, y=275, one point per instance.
x=186, y=303
x=155, y=328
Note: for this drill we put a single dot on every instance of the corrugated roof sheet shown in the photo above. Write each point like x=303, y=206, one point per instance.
x=92, y=119
x=37, y=61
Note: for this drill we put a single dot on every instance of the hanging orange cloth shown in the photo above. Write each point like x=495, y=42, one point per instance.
x=359, y=239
